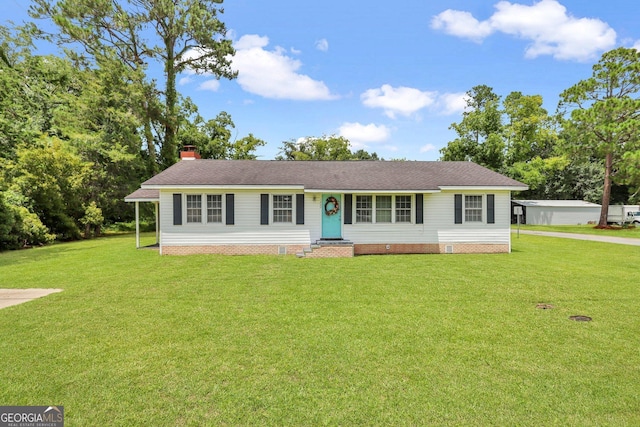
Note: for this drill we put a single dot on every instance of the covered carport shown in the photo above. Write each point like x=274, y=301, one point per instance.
x=148, y=196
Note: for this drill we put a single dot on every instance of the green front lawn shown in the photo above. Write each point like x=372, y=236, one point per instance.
x=139, y=339
x=615, y=231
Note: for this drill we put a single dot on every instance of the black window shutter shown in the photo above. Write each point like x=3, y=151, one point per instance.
x=458, y=208
x=177, y=209
x=491, y=209
x=264, y=209
x=419, y=209
x=230, y=209
x=299, y=208
x=348, y=202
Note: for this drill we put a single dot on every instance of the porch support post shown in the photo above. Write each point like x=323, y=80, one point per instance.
x=137, y=225
x=157, y=224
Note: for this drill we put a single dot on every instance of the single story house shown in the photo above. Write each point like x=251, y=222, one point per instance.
x=329, y=208
x=556, y=212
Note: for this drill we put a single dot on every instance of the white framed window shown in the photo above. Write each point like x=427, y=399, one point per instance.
x=403, y=208
x=214, y=208
x=364, y=209
x=383, y=209
x=194, y=208
x=282, y=208
x=473, y=208
x=380, y=209
x=203, y=208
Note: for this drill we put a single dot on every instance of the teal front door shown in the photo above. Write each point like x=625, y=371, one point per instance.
x=331, y=216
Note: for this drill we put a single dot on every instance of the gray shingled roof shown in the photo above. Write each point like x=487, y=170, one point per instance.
x=142, y=195
x=339, y=175
x=558, y=203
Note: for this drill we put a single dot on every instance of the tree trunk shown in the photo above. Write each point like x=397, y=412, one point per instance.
x=169, y=152
x=152, y=165
x=606, y=193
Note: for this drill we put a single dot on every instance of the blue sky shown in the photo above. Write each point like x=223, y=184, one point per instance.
x=391, y=77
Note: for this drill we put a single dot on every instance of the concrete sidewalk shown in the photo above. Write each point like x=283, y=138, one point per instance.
x=604, y=239
x=9, y=297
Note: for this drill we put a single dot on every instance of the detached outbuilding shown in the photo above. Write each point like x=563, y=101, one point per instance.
x=555, y=212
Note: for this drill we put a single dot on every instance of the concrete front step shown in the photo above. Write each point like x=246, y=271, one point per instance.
x=328, y=249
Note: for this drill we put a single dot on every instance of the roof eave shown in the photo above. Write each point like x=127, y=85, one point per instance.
x=132, y=200
x=188, y=187
x=484, y=187
x=369, y=191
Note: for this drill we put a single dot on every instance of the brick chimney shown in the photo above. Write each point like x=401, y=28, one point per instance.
x=189, y=153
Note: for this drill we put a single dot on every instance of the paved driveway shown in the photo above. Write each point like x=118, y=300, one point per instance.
x=9, y=297
x=605, y=239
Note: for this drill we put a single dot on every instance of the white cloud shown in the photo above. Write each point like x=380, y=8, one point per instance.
x=407, y=101
x=273, y=74
x=322, y=45
x=546, y=24
x=452, y=103
x=360, y=135
x=401, y=100
x=636, y=45
x=211, y=85
x=185, y=80
x=427, y=148
x=251, y=41
x=461, y=24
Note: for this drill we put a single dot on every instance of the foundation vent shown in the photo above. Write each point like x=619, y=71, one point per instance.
x=448, y=249
x=282, y=250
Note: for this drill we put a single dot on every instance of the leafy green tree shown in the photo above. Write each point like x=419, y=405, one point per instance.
x=176, y=34
x=604, y=116
x=50, y=180
x=213, y=139
x=244, y=148
x=364, y=155
x=480, y=131
x=8, y=237
x=529, y=131
x=30, y=88
x=100, y=121
x=92, y=220
x=324, y=148
x=19, y=227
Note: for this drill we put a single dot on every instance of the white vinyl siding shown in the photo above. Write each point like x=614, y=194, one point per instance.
x=438, y=224
x=246, y=229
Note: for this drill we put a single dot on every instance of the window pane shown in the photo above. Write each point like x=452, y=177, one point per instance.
x=383, y=208
x=473, y=208
x=282, y=208
x=194, y=208
x=403, y=208
x=214, y=208
x=364, y=208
